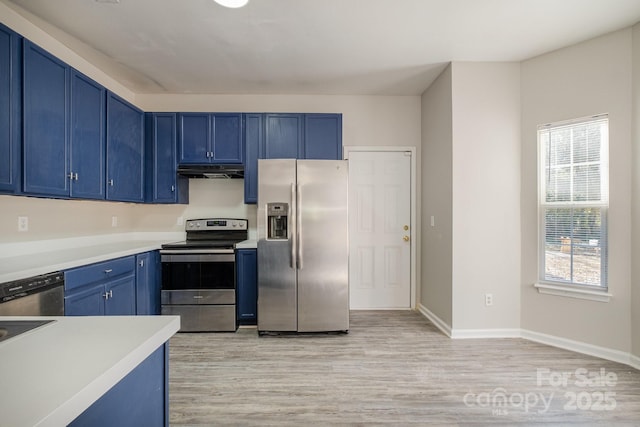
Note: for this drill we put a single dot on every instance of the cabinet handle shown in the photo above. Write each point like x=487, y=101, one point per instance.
x=141, y=263
x=108, y=295
x=73, y=176
x=111, y=182
x=108, y=271
x=173, y=188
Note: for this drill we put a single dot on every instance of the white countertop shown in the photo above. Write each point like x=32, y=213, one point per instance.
x=22, y=260
x=51, y=374
x=247, y=244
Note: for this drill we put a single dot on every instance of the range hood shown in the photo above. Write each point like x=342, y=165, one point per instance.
x=212, y=171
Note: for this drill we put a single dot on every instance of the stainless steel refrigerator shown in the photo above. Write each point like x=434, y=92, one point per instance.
x=303, y=246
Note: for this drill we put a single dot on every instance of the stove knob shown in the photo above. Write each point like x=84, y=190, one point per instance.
x=191, y=225
x=235, y=224
x=198, y=224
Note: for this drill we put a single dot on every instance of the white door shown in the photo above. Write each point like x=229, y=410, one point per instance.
x=380, y=229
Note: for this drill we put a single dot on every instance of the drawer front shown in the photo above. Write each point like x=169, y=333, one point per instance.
x=203, y=318
x=105, y=270
x=198, y=297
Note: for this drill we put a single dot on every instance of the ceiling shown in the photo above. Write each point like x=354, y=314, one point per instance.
x=360, y=47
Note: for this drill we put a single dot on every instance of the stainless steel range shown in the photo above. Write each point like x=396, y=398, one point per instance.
x=199, y=275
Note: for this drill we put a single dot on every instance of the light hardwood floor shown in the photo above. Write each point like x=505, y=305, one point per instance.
x=395, y=368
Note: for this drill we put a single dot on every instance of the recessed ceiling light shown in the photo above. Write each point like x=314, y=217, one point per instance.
x=232, y=3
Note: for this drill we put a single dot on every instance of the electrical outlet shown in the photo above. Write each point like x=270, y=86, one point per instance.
x=114, y=221
x=180, y=220
x=23, y=223
x=488, y=299
x=433, y=221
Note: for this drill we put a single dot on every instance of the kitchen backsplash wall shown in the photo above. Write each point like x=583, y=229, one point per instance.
x=53, y=219
x=220, y=198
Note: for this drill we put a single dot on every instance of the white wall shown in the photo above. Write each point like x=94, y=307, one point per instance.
x=588, y=78
x=436, y=254
x=471, y=186
x=486, y=194
x=635, y=226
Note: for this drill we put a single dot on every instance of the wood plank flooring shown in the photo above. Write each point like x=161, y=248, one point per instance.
x=394, y=368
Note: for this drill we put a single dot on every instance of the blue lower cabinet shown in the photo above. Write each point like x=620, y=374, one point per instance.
x=104, y=288
x=247, y=286
x=148, y=283
x=139, y=399
x=122, y=297
x=88, y=301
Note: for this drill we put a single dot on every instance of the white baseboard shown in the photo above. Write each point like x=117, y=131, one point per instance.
x=438, y=322
x=485, y=333
x=582, y=347
x=554, y=341
x=635, y=361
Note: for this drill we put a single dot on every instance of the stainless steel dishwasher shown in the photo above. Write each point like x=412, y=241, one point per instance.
x=41, y=295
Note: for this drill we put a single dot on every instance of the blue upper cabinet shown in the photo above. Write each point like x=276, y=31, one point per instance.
x=162, y=183
x=210, y=138
x=323, y=136
x=45, y=123
x=283, y=136
x=10, y=109
x=64, y=129
x=87, y=169
x=195, y=133
x=254, y=142
x=226, y=141
x=125, y=151
x=288, y=136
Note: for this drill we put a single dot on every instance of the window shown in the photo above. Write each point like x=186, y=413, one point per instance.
x=574, y=199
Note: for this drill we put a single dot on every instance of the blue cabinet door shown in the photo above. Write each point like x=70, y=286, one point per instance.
x=283, y=136
x=125, y=151
x=226, y=138
x=247, y=284
x=162, y=184
x=323, y=136
x=45, y=123
x=148, y=283
x=88, y=301
x=122, y=296
x=87, y=170
x=194, y=135
x=139, y=399
x=10, y=109
x=254, y=140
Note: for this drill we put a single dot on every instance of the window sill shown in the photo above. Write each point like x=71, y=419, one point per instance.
x=573, y=292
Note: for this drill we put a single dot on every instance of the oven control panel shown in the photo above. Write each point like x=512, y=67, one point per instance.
x=216, y=224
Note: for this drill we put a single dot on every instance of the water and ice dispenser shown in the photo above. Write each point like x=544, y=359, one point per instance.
x=277, y=221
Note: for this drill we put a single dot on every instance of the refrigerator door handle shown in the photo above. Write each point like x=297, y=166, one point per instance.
x=299, y=225
x=293, y=232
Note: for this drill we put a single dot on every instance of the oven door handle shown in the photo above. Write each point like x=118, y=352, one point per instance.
x=195, y=251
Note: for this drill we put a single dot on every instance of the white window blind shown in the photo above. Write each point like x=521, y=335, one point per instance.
x=574, y=196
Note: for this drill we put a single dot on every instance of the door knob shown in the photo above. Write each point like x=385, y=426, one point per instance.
x=405, y=238
x=406, y=227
